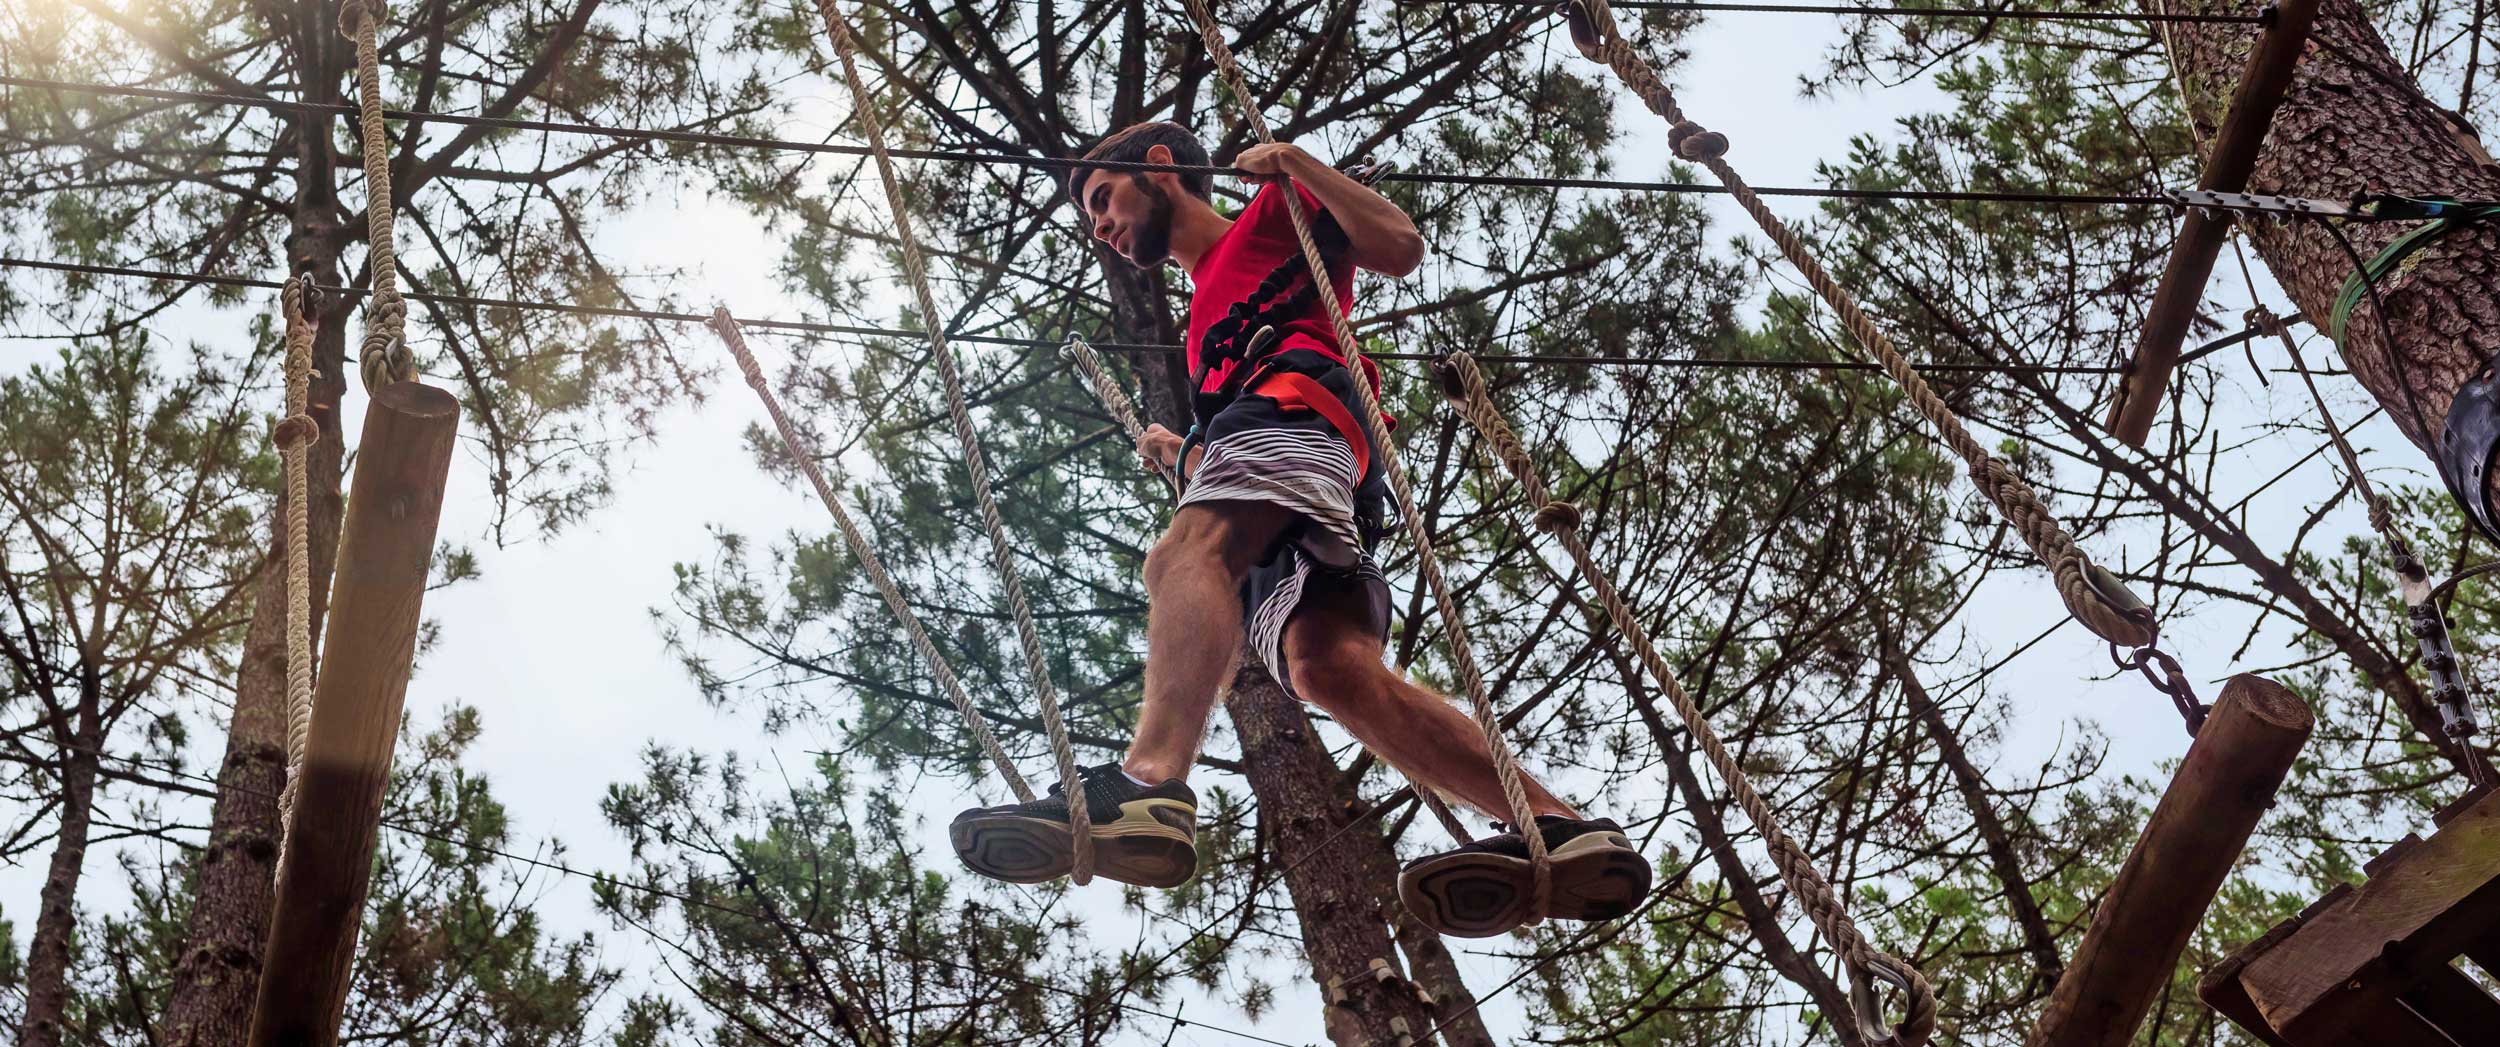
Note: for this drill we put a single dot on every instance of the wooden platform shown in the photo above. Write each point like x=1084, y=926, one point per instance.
x=2393, y=962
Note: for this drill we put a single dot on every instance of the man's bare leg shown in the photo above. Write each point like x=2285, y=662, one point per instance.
x=1193, y=627
x=1336, y=664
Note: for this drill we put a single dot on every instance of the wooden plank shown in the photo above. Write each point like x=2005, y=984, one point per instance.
x=2195, y=835
x=2235, y=147
x=2331, y=978
x=385, y=547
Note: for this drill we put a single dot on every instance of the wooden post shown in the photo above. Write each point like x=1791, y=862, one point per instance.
x=386, y=545
x=2223, y=787
x=2182, y=289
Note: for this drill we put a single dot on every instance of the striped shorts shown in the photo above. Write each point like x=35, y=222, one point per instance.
x=1258, y=450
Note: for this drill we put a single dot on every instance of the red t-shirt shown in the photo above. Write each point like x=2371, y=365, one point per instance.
x=1262, y=238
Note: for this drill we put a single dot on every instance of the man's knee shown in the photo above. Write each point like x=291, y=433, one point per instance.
x=1331, y=664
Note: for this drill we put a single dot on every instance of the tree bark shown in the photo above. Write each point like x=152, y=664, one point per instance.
x=1339, y=906
x=56, y=916
x=2355, y=122
x=217, y=973
x=1428, y=958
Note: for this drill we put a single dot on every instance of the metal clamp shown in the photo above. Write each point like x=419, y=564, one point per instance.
x=2450, y=692
x=1870, y=1010
x=2262, y=203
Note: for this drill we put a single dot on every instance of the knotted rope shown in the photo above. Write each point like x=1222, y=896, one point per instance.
x=805, y=455
x=1454, y=624
x=2092, y=595
x=1464, y=385
x=959, y=410
x=294, y=436
x=384, y=356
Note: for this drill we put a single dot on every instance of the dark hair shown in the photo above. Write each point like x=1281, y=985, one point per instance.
x=1130, y=144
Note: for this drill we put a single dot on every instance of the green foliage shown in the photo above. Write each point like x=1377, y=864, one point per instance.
x=452, y=950
x=813, y=910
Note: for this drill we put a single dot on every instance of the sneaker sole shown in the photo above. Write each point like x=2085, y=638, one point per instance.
x=1137, y=849
x=1476, y=895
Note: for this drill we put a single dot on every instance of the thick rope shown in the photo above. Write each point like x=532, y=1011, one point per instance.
x=958, y=409
x=805, y=455
x=384, y=357
x=1593, y=29
x=294, y=436
x=1823, y=905
x=1454, y=623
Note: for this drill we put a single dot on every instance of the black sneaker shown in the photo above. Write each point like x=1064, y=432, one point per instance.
x=1142, y=835
x=1482, y=889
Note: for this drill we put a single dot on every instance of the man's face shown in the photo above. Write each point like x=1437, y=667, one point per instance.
x=1132, y=215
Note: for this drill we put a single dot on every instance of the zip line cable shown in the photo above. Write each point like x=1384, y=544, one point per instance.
x=780, y=922
x=1129, y=348
x=1064, y=163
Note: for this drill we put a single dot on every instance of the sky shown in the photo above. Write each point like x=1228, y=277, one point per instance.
x=556, y=647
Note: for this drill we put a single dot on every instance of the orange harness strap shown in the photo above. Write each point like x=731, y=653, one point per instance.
x=1292, y=390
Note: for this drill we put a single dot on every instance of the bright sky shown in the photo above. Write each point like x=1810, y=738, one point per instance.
x=556, y=648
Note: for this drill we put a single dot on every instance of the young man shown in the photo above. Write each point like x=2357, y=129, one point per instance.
x=1282, y=504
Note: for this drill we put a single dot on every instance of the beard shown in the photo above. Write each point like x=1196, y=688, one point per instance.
x=1150, y=243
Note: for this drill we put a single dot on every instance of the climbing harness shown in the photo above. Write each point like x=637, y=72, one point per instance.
x=1463, y=384
x=384, y=357
x=959, y=410
x=2091, y=593
x=295, y=435
x=1427, y=564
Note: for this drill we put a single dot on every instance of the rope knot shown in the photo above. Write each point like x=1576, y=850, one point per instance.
x=1558, y=516
x=1695, y=142
x=295, y=431
x=352, y=14
x=386, y=359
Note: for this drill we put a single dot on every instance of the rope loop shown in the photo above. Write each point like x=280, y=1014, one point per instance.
x=1918, y=997
x=352, y=15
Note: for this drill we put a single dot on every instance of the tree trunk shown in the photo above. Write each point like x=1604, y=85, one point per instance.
x=217, y=973
x=2355, y=122
x=1428, y=958
x=1339, y=906
x=56, y=915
